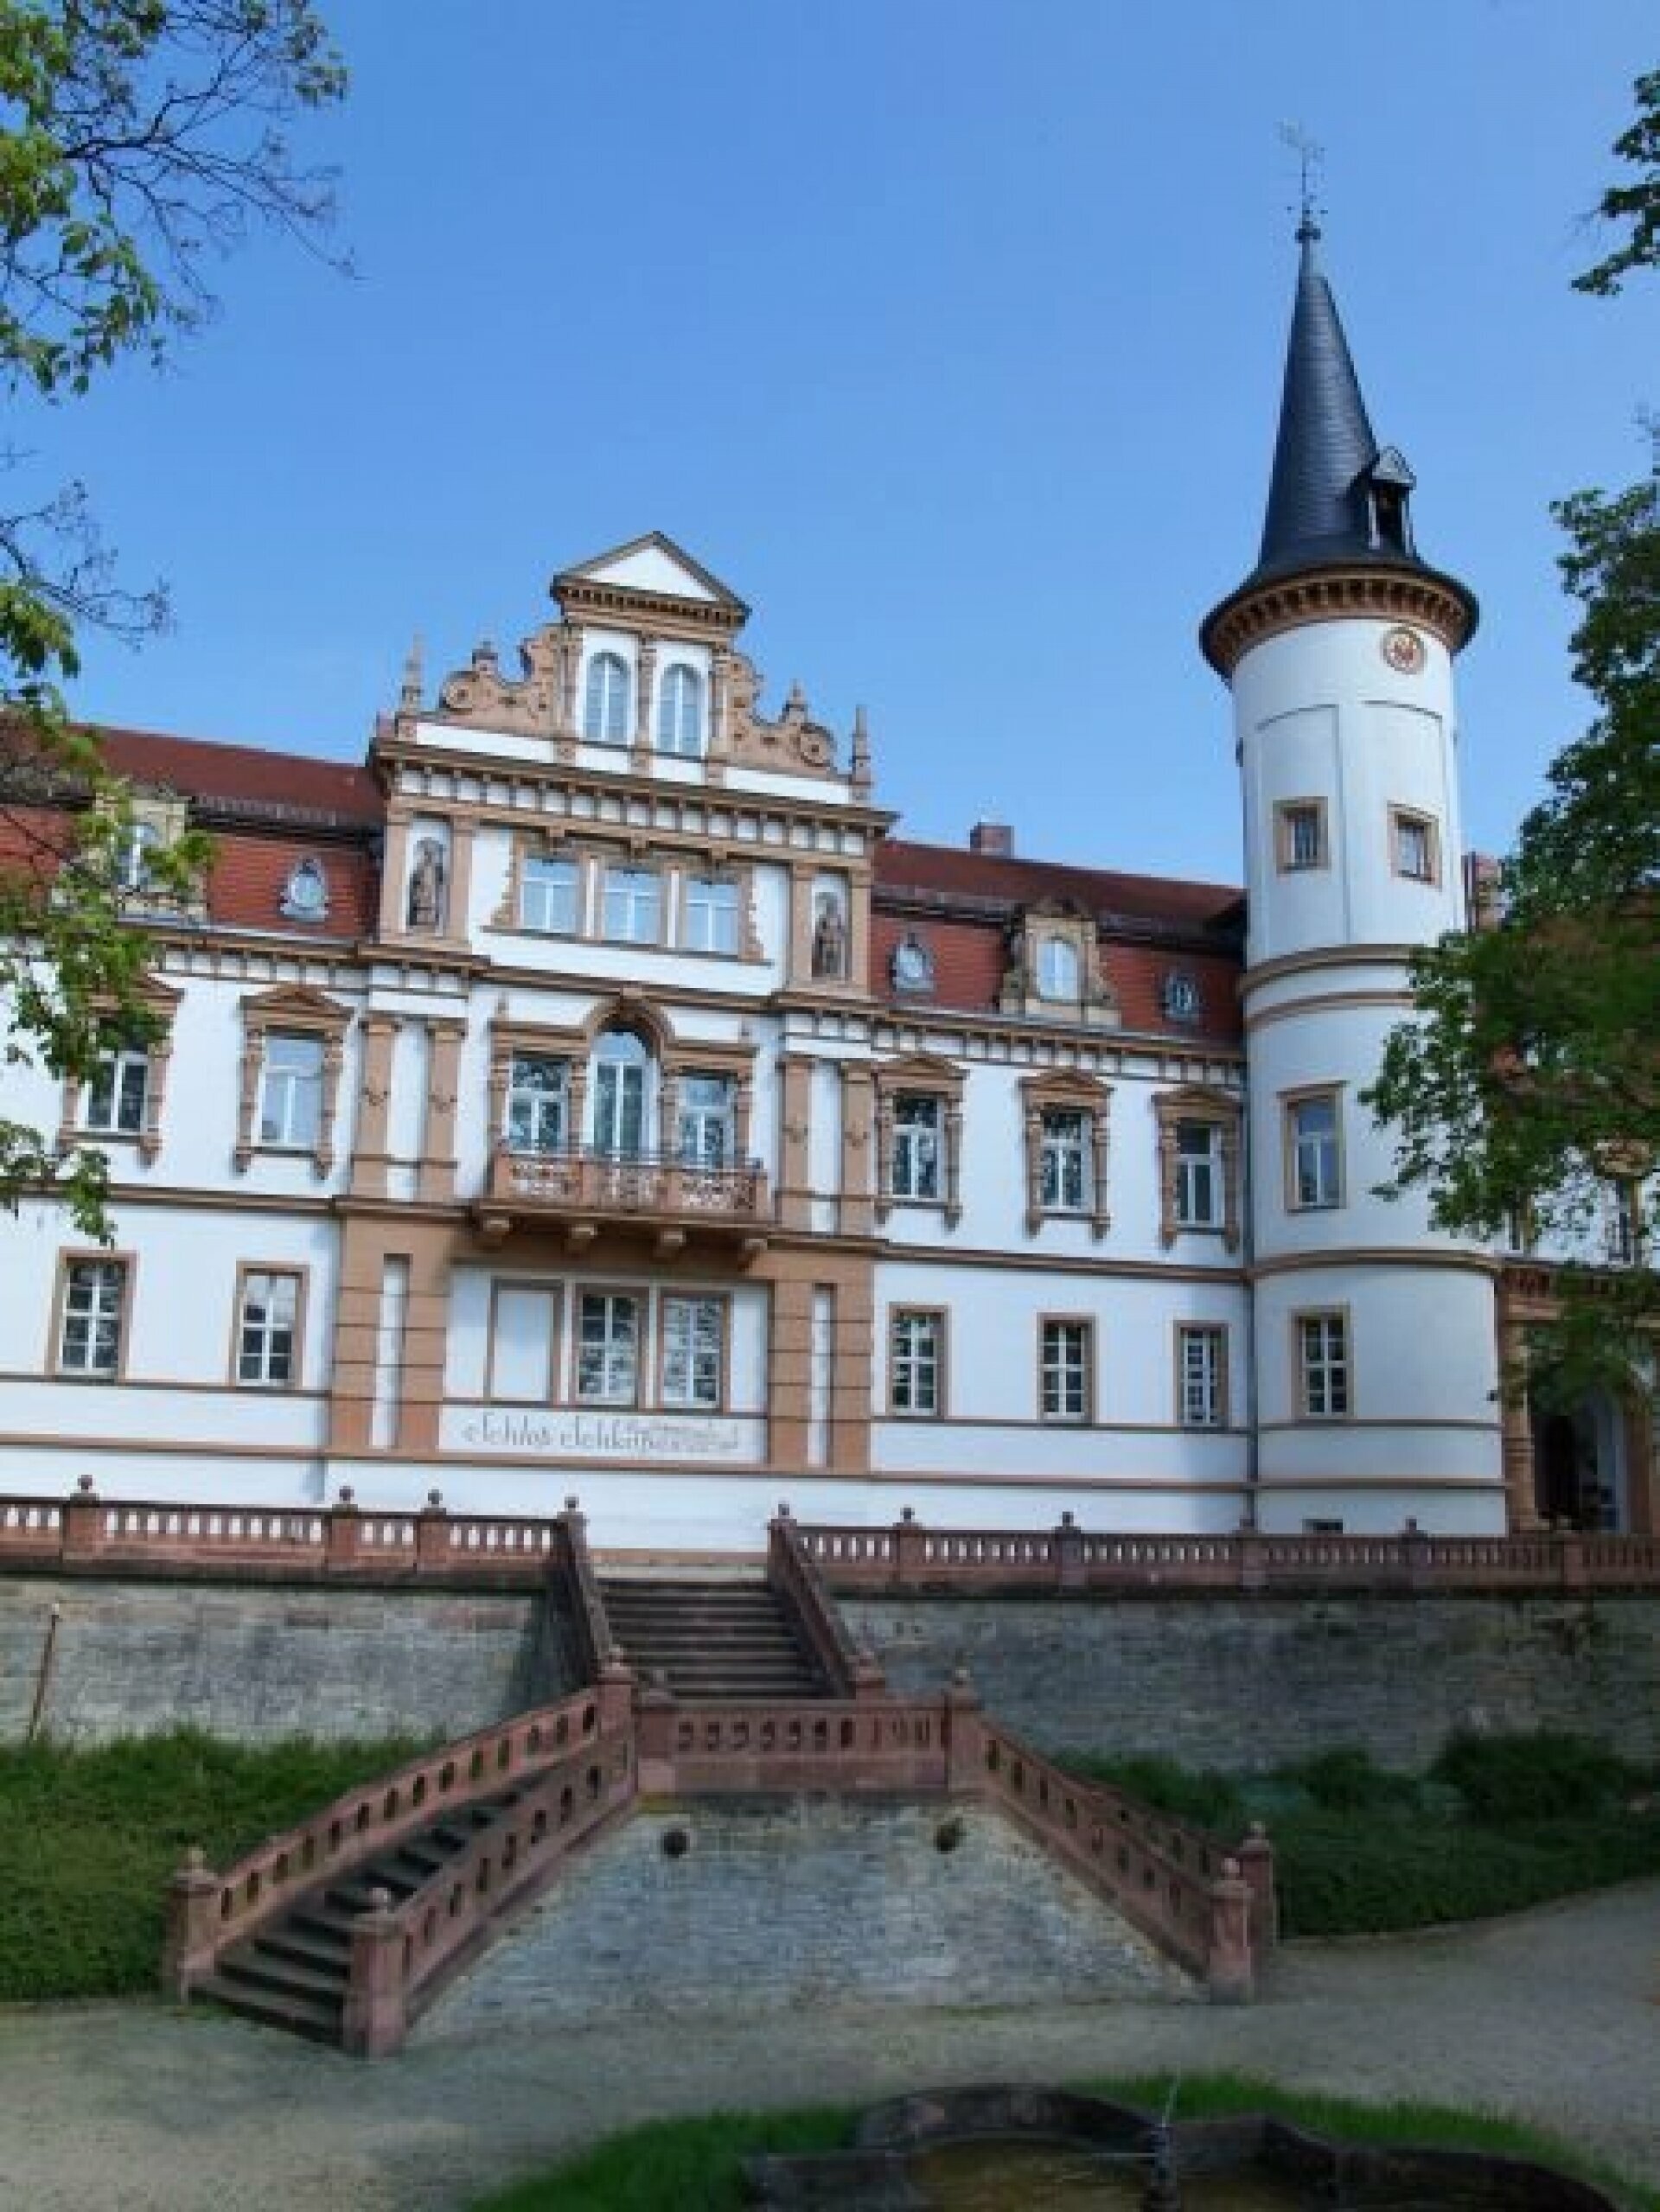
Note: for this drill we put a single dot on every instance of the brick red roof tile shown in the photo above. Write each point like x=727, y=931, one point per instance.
x=902, y=866
x=247, y=877
x=206, y=769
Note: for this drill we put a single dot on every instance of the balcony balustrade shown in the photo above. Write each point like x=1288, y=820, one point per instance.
x=582, y=1190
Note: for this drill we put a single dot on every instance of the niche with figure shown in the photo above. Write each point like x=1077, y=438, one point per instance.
x=830, y=929
x=426, y=895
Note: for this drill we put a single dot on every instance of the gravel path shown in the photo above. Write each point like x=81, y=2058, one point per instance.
x=1553, y=2016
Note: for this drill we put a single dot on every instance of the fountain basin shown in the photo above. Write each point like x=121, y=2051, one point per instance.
x=1003, y=2147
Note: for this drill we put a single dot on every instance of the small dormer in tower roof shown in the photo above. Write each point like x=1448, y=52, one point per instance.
x=651, y=576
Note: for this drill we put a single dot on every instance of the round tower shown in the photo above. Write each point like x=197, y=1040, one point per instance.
x=1376, y=1363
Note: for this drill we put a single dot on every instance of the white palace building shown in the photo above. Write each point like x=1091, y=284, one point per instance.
x=591, y=1093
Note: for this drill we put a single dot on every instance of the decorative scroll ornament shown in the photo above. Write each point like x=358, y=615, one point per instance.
x=481, y=694
x=794, y=742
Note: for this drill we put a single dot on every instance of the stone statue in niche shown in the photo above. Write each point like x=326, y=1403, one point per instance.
x=426, y=886
x=830, y=938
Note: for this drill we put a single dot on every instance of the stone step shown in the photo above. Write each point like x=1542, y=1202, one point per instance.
x=300, y=2016
x=261, y=1965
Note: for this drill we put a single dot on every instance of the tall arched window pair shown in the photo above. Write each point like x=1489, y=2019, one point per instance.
x=606, y=717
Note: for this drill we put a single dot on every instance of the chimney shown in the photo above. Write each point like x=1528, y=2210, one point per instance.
x=994, y=840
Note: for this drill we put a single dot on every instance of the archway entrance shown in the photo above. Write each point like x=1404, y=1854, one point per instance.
x=1578, y=1465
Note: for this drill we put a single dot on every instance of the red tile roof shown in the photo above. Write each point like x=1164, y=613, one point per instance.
x=247, y=877
x=954, y=872
x=275, y=782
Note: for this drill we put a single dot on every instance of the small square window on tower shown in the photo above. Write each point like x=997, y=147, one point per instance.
x=1415, y=849
x=1300, y=834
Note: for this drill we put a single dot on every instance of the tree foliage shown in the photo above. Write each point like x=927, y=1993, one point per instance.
x=1528, y=1089
x=140, y=140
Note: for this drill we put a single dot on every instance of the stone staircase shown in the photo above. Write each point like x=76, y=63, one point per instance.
x=292, y=1972
x=725, y=1639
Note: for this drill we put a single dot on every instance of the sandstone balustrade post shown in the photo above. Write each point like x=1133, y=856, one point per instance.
x=655, y=1742
x=965, y=1736
x=342, y=1538
x=83, y=1523
x=618, y=1687
x=1256, y=1868
x=192, y=1924
x=372, y=2024
x=869, y=1680
x=1414, y=1554
x=1570, y=1560
x=909, y=1543
x=1070, y=1572
x=432, y=1536
x=1228, y=1966
x=1252, y=1556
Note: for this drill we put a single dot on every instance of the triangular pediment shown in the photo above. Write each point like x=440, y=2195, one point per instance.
x=295, y=1004
x=655, y=567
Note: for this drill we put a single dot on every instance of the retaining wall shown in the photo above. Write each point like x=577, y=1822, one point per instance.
x=1252, y=1683
x=256, y=1662
x=779, y=1904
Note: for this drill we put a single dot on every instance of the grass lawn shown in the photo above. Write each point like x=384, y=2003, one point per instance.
x=88, y=1839
x=694, y=2165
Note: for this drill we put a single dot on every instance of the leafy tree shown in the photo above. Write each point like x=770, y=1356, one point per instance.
x=140, y=140
x=1530, y=1084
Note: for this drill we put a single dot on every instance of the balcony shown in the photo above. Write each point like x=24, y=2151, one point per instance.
x=580, y=1192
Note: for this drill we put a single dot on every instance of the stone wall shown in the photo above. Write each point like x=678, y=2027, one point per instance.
x=804, y=1901
x=1242, y=1683
x=256, y=1662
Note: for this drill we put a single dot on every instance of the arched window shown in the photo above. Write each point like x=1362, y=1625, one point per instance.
x=605, y=709
x=621, y=1084
x=679, y=711
x=1058, y=968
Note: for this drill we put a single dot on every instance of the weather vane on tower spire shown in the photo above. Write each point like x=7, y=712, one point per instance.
x=1310, y=156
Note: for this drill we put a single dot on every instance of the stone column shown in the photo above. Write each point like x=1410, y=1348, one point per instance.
x=369, y=1150
x=800, y=966
x=794, y=1153
x=1520, y=1502
x=858, y=1205
x=645, y=697
x=394, y=866
x=457, y=921
x=437, y=1179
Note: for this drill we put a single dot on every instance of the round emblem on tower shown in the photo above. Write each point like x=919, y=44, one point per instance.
x=1404, y=651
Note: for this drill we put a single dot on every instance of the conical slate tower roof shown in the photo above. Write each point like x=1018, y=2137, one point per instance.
x=1316, y=501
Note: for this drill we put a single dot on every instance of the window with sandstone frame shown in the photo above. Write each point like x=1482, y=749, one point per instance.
x=293, y=1050
x=1198, y=1137
x=919, y=1123
x=916, y=1362
x=91, y=1316
x=125, y=1097
x=1066, y=1130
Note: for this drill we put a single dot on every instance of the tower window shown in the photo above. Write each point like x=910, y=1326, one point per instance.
x=605, y=707
x=92, y=1313
x=1058, y=968
x=916, y=1362
x=1064, y=1361
x=1202, y=1375
x=1414, y=846
x=1300, y=833
x=1322, y=1365
x=1313, y=1152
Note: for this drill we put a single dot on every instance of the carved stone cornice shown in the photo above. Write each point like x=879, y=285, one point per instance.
x=1341, y=593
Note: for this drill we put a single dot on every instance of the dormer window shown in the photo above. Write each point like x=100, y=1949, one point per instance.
x=679, y=712
x=138, y=842
x=605, y=707
x=1388, y=484
x=1059, y=968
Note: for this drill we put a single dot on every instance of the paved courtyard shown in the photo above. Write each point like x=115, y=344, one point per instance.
x=1553, y=2016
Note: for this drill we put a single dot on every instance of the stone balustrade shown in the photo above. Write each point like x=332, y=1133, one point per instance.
x=344, y=1542
x=907, y=1557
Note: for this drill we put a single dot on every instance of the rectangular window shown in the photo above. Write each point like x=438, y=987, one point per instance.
x=113, y=1101
x=608, y=1349
x=1065, y=1362
x=694, y=1335
x=633, y=903
x=539, y=1103
x=1198, y=1174
x=1413, y=837
x=916, y=1362
x=547, y=894
x=1064, y=1167
x=1314, y=1168
x=291, y=1092
x=1300, y=833
x=94, y=1315
x=707, y=1131
x=918, y=1129
x=1322, y=1366
x=268, y=1329
x=711, y=922
x=1202, y=1376
x=1624, y=1224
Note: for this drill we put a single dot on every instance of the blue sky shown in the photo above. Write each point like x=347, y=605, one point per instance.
x=949, y=336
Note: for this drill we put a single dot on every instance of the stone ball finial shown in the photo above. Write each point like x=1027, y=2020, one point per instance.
x=347, y=1495
x=380, y=1900
x=86, y=1487
x=783, y=1508
x=1067, y=1520
x=435, y=1500
x=573, y=1502
x=907, y=1513
x=195, y=1859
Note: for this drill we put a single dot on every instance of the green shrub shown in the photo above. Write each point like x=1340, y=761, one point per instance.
x=1349, y=1780
x=1540, y=1777
x=1210, y=1800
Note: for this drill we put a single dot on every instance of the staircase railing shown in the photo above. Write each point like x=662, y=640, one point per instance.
x=795, y=1578
x=208, y=1910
